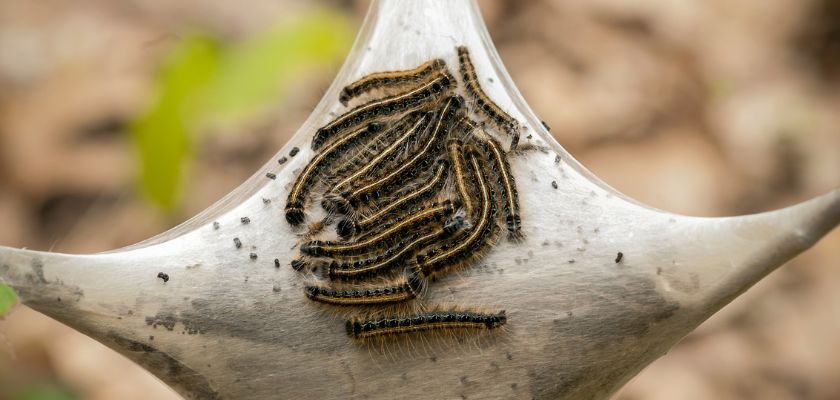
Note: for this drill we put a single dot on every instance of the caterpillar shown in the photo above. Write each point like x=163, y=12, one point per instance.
x=404, y=289
x=501, y=169
x=393, y=256
x=384, y=107
x=433, y=261
x=318, y=248
x=389, y=78
x=362, y=328
x=484, y=103
x=304, y=180
x=347, y=227
x=419, y=159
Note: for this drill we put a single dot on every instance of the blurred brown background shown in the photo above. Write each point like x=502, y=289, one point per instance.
x=700, y=107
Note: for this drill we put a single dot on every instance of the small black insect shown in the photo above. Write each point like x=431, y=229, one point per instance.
x=237, y=243
x=245, y=220
x=253, y=256
x=163, y=276
x=619, y=257
x=294, y=151
x=554, y=184
x=269, y=175
x=282, y=160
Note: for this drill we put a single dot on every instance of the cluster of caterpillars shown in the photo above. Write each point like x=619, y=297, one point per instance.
x=416, y=185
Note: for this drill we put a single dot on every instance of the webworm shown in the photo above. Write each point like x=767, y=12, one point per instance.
x=303, y=182
x=392, y=257
x=455, y=147
x=386, y=106
x=501, y=168
x=420, y=158
x=404, y=289
x=484, y=103
x=317, y=248
x=389, y=78
x=417, y=123
x=474, y=237
x=362, y=328
x=347, y=227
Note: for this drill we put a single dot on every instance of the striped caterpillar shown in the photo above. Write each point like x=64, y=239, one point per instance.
x=415, y=185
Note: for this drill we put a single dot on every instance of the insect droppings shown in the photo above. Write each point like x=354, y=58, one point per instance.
x=548, y=128
x=163, y=276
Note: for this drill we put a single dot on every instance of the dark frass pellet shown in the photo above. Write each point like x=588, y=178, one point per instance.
x=294, y=151
x=237, y=243
x=266, y=201
x=554, y=184
x=276, y=263
x=253, y=256
x=215, y=225
x=245, y=220
x=548, y=128
x=282, y=160
x=619, y=257
x=163, y=276
x=269, y=175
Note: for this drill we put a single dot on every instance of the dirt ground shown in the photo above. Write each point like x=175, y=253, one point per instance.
x=709, y=108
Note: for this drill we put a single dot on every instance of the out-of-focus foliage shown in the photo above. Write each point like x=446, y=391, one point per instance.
x=161, y=136
x=260, y=70
x=44, y=391
x=205, y=82
x=7, y=299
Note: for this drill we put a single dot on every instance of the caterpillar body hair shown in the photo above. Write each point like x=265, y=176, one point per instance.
x=336, y=197
x=404, y=289
x=304, y=181
x=365, y=328
x=455, y=148
x=394, y=256
x=387, y=106
x=348, y=227
x=389, y=78
x=420, y=159
x=485, y=105
x=435, y=212
x=366, y=151
x=504, y=178
x=416, y=124
x=474, y=238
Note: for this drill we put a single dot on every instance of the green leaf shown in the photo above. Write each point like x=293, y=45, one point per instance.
x=261, y=70
x=162, y=135
x=202, y=82
x=44, y=391
x=7, y=299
